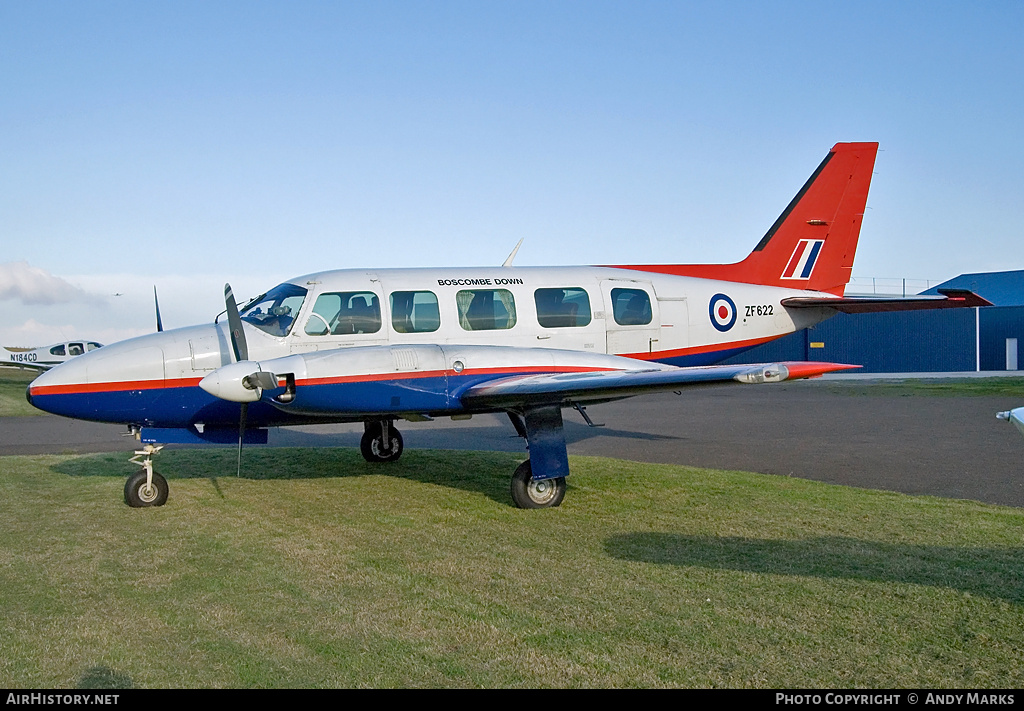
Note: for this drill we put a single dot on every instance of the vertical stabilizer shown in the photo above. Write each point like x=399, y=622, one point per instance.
x=812, y=243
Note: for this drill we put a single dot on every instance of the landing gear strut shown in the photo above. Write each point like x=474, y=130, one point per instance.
x=381, y=441
x=145, y=487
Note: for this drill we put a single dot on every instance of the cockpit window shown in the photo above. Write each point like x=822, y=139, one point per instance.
x=275, y=311
x=75, y=349
x=92, y=345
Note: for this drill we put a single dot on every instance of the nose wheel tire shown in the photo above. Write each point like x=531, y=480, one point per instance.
x=530, y=493
x=138, y=495
x=372, y=444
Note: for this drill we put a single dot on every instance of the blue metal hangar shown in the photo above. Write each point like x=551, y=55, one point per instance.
x=943, y=340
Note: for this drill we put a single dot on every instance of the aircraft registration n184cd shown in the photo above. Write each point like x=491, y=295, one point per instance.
x=416, y=344
x=48, y=356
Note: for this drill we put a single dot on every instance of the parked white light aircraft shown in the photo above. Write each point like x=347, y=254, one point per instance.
x=48, y=356
x=415, y=344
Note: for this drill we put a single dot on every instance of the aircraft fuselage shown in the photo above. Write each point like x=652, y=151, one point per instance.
x=153, y=380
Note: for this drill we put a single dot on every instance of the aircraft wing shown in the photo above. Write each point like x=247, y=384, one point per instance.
x=604, y=385
x=30, y=366
x=1015, y=416
x=950, y=299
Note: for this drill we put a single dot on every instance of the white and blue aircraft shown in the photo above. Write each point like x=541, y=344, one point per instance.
x=48, y=356
x=416, y=344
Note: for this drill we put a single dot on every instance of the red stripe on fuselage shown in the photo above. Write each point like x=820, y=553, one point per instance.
x=697, y=350
x=77, y=388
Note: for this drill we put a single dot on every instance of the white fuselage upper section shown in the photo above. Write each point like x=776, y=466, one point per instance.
x=686, y=319
x=652, y=317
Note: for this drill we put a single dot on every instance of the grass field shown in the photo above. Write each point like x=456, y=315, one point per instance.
x=316, y=569
x=13, y=382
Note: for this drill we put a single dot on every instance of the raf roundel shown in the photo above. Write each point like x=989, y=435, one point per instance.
x=723, y=312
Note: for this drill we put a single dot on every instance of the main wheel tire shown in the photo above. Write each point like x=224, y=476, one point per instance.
x=137, y=495
x=371, y=445
x=530, y=493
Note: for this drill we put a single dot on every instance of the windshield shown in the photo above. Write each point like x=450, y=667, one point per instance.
x=275, y=311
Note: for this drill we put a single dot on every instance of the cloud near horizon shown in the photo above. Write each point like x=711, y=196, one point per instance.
x=34, y=286
x=33, y=334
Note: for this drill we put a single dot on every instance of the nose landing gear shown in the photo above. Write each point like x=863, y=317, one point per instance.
x=145, y=487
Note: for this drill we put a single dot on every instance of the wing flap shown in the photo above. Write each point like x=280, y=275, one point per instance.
x=518, y=390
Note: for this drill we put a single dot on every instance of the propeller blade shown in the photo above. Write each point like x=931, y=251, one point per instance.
x=156, y=302
x=241, y=436
x=235, y=326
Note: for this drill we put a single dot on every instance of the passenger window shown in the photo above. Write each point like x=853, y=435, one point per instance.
x=414, y=312
x=75, y=349
x=344, y=313
x=561, y=308
x=631, y=307
x=58, y=350
x=486, y=309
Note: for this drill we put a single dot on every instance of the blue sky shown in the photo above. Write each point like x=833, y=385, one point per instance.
x=188, y=144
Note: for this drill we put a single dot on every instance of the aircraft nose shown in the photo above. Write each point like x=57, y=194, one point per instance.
x=28, y=395
x=116, y=383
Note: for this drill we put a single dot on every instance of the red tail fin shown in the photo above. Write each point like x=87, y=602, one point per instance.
x=811, y=245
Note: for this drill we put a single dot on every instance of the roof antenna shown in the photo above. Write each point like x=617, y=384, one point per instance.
x=156, y=302
x=508, y=262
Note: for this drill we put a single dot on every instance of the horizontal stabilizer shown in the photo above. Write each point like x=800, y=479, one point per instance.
x=950, y=299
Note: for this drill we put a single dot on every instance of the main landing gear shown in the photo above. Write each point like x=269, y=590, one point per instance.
x=381, y=441
x=541, y=427
x=145, y=487
x=539, y=482
x=530, y=493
